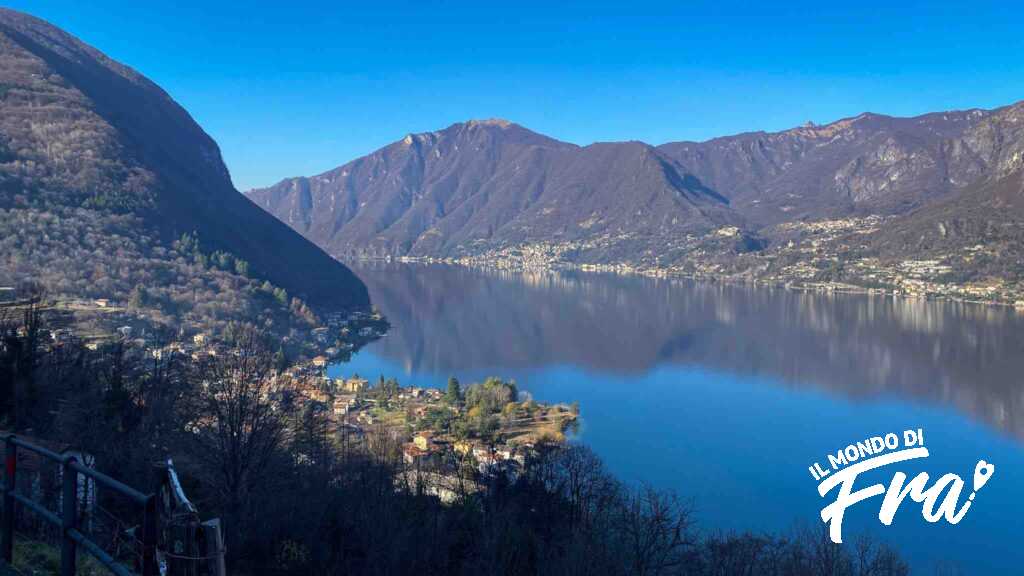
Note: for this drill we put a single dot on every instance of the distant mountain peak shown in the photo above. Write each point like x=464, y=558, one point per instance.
x=499, y=122
x=468, y=127
x=493, y=183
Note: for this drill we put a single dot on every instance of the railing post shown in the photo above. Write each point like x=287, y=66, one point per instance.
x=69, y=518
x=7, y=528
x=149, y=535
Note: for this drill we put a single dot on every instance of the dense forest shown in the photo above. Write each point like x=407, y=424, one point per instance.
x=297, y=497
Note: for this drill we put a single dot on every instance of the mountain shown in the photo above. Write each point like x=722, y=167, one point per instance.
x=490, y=184
x=868, y=164
x=750, y=205
x=107, y=185
x=985, y=223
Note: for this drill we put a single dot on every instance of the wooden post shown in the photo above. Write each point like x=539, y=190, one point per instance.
x=69, y=518
x=7, y=528
x=215, y=547
x=150, y=566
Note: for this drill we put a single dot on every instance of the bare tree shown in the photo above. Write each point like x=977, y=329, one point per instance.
x=655, y=530
x=578, y=475
x=238, y=427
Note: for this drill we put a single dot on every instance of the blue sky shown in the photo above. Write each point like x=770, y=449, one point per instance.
x=296, y=88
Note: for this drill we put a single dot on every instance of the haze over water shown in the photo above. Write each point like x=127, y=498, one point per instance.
x=727, y=394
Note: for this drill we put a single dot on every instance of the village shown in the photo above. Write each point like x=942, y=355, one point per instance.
x=450, y=441
x=100, y=322
x=816, y=256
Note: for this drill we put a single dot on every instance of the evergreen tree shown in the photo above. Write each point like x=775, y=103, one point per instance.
x=454, y=394
x=139, y=297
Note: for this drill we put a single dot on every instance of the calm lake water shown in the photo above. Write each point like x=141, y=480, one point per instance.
x=727, y=394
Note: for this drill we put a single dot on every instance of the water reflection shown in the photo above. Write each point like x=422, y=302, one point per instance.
x=452, y=320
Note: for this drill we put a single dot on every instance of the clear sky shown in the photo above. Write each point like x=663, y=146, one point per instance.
x=293, y=88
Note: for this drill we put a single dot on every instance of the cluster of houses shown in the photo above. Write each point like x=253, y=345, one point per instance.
x=201, y=346
x=342, y=332
x=198, y=346
x=435, y=459
x=341, y=396
x=437, y=466
x=427, y=449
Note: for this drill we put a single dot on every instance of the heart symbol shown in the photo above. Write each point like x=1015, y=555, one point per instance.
x=982, y=472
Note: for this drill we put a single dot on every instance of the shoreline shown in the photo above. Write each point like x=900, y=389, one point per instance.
x=625, y=270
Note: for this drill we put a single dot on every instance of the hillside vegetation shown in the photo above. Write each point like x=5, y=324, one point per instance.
x=102, y=175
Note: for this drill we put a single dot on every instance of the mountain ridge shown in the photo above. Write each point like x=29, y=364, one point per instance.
x=504, y=181
x=689, y=207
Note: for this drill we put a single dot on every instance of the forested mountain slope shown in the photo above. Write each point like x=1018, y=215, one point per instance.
x=109, y=189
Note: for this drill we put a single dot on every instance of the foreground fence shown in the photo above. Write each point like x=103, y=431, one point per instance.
x=66, y=520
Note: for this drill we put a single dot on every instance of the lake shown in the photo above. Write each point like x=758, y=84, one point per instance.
x=726, y=394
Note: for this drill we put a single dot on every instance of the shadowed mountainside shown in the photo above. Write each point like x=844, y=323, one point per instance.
x=94, y=157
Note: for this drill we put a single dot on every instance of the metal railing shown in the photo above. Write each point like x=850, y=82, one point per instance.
x=67, y=521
